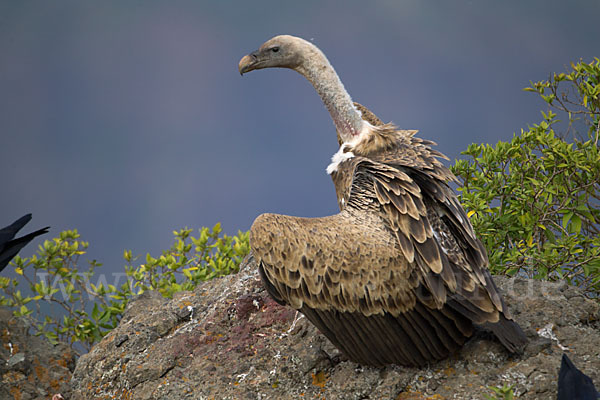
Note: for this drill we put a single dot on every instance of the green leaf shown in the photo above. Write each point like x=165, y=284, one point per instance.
x=566, y=218
x=575, y=226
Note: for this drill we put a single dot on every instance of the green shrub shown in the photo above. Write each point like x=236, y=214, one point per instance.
x=89, y=311
x=534, y=200
x=501, y=393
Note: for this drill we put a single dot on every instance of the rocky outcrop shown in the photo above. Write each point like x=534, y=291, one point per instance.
x=229, y=340
x=30, y=367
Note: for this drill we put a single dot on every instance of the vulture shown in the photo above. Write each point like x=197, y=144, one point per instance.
x=398, y=276
x=9, y=246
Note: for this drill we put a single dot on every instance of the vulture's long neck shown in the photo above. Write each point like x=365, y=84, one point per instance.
x=317, y=69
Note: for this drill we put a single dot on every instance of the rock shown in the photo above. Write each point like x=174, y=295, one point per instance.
x=31, y=367
x=228, y=340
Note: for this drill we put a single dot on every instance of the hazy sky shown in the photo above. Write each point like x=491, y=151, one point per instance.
x=128, y=119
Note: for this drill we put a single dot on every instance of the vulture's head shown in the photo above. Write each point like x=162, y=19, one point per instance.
x=292, y=52
x=283, y=51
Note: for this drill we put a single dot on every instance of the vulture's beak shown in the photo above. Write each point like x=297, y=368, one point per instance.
x=248, y=63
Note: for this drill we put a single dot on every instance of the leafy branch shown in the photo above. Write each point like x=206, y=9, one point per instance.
x=91, y=310
x=534, y=200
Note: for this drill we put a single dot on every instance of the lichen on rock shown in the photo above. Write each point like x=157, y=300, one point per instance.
x=31, y=367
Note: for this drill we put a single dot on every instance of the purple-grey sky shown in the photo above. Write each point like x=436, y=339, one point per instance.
x=128, y=119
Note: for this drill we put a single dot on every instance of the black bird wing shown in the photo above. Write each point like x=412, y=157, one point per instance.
x=9, y=246
x=574, y=384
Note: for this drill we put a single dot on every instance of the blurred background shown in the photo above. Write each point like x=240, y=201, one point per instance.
x=128, y=119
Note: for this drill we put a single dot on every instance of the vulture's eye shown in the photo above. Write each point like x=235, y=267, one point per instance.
x=275, y=49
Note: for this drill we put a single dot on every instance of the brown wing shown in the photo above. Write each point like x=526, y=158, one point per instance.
x=355, y=286
x=462, y=255
x=432, y=228
x=332, y=263
x=386, y=280
x=349, y=276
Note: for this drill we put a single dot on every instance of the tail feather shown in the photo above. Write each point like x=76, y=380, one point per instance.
x=509, y=333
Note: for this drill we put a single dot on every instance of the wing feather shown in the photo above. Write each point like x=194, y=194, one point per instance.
x=449, y=248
